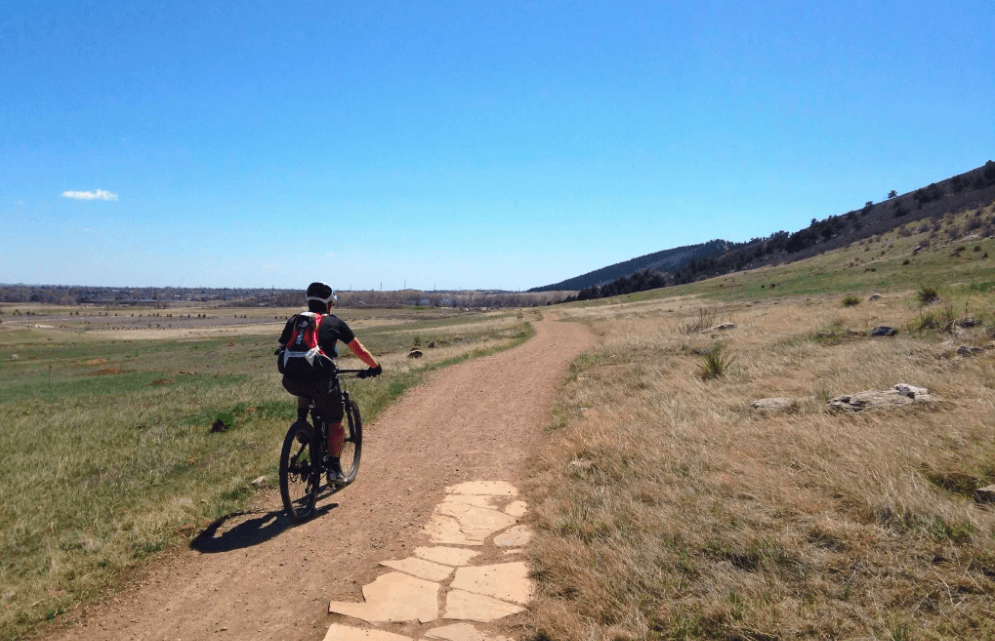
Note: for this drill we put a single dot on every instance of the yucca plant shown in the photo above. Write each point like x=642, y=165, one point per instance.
x=712, y=364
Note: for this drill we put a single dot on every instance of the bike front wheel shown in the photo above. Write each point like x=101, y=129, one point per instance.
x=299, y=475
x=352, y=448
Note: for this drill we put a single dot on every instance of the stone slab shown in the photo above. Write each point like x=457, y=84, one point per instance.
x=447, y=531
x=446, y=555
x=489, y=488
x=462, y=632
x=394, y=597
x=420, y=568
x=517, y=509
x=476, y=523
x=504, y=581
x=473, y=499
x=514, y=537
x=477, y=607
x=338, y=632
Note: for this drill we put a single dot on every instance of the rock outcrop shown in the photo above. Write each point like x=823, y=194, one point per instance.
x=900, y=395
x=884, y=330
x=775, y=404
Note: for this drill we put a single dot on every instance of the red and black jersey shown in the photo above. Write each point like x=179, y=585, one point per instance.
x=331, y=330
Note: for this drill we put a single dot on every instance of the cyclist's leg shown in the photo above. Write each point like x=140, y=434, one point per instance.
x=336, y=440
x=329, y=404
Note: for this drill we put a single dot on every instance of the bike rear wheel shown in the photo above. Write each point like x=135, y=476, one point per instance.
x=352, y=448
x=299, y=476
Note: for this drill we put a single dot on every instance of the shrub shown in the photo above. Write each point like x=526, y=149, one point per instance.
x=927, y=294
x=925, y=321
x=712, y=365
x=850, y=301
x=704, y=320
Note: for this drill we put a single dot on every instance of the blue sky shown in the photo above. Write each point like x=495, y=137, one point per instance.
x=461, y=144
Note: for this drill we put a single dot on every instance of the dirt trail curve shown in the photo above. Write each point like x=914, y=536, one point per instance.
x=256, y=577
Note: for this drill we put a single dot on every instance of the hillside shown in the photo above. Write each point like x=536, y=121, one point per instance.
x=668, y=260
x=971, y=189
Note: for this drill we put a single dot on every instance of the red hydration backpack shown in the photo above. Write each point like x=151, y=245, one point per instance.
x=303, y=358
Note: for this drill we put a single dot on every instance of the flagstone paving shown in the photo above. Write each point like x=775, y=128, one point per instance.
x=468, y=606
x=514, y=537
x=421, y=568
x=446, y=556
x=461, y=632
x=344, y=633
x=471, y=514
x=505, y=581
x=394, y=597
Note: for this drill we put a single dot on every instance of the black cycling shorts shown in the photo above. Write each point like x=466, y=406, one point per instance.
x=324, y=392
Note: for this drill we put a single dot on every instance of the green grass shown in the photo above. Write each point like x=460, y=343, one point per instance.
x=107, y=455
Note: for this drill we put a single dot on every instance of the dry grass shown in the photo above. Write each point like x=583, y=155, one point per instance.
x=667, y=509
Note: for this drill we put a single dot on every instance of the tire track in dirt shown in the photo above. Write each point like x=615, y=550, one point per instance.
x=260, y=578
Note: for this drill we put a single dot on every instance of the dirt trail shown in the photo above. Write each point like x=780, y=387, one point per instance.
x=256, y=577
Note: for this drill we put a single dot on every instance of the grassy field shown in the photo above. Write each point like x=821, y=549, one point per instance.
x=668, y=508
x=106, y=453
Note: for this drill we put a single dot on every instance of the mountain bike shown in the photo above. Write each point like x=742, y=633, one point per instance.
x=302, y=459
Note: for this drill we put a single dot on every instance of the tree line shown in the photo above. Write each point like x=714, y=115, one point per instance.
x=162, y=297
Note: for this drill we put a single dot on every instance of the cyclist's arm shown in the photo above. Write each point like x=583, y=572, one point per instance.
x=362, y=353
x=287, y=331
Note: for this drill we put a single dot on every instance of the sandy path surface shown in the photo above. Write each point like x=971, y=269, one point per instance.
x=257, y=577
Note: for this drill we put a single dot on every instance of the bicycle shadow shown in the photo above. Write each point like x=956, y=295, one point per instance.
x=267, y=526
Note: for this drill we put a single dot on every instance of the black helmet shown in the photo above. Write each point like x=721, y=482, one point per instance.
x=320, y=292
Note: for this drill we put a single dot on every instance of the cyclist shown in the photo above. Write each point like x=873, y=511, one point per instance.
x=318, y=381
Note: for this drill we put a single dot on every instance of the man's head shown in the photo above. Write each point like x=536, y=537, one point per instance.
x=320, y=297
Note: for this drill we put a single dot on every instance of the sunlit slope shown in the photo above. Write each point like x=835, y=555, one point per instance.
x=953, y=252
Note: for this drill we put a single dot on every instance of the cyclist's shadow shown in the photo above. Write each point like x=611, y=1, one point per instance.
x=266, y=526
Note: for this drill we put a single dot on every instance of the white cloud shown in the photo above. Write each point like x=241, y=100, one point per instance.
x=100, y=194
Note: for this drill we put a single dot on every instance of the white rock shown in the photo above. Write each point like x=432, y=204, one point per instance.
x=420, y=568
x=446, y=555
x=517, y=509
x=338, y=632
x=471, y=499
x=504, y=581
x=476, y=607
x=476, y=523
x=462, y=632
x=514, y=537
x=394, y=597
x=446, y=530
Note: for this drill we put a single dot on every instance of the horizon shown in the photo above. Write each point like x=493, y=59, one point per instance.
x=451, y=147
